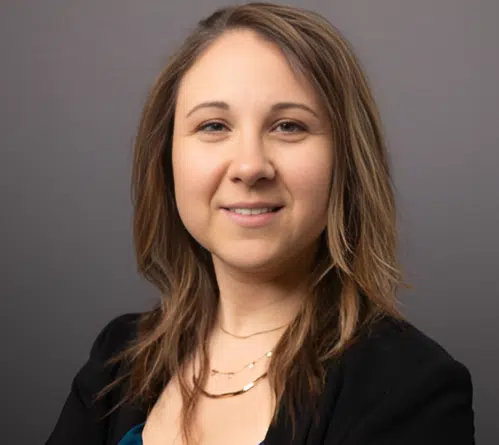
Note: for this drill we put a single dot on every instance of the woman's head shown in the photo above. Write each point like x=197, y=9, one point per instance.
x=321, y=163
x=250, y=134
x=346, y=155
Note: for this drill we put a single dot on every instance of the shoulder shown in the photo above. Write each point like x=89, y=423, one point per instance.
x=115, y=335
x=97, y=372
x=391, y=346
x=396, y=378
x=393, y=353
x=80, y=421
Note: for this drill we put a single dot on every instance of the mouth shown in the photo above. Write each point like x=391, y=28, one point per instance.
x=247, y=211
x=253, y=216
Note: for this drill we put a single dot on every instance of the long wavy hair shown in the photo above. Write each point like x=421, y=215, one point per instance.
x=356, y=274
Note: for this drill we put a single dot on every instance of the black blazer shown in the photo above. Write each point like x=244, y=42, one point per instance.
x=394, y=386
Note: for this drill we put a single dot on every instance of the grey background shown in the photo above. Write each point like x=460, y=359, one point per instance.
x=73, y=77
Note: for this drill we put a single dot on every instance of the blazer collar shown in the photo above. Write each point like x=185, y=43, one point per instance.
x=125, y=419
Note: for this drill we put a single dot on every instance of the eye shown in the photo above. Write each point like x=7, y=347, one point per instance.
x=290, y=127
x=282, y=127
x=212, y=127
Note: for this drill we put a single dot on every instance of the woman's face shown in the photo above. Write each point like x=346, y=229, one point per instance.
x=252, y=156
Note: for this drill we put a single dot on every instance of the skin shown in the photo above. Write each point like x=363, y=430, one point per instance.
x=249, y=151
x=246, y=150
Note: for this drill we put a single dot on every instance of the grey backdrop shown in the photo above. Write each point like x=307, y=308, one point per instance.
x=73, y=77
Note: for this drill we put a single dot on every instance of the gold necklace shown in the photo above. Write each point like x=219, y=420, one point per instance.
x=243, y=337
x=250, y=365
x=225, y=395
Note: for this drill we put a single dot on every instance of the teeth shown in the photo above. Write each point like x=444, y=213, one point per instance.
x=252, y=211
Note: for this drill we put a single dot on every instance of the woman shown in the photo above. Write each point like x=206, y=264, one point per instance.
x=264, y=214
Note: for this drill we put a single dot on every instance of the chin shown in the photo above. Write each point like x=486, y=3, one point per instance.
x=248, y=262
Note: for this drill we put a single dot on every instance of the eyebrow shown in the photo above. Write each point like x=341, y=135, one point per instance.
x=276, y=107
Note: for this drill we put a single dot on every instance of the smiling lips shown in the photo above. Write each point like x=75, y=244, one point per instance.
x=252, y=215
x=254, y=208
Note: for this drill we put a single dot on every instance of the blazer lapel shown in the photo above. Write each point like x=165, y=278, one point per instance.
x=125, y=418
x=311, y=425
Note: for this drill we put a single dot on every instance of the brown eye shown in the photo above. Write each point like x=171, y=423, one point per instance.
x=212, y=127
x=290, y=127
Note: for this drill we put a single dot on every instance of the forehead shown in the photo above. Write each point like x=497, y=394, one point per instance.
x=241, y=67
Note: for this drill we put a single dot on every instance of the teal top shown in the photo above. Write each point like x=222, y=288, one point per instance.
x=134, y=436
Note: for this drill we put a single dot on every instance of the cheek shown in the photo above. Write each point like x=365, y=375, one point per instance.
x=195, y=181
x=309, y=180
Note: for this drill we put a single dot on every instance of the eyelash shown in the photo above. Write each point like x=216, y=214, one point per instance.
x=301, y=127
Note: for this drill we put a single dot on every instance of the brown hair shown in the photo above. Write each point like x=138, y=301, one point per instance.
x=356, y=275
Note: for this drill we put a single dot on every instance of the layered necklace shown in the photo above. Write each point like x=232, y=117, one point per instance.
x=250, y=365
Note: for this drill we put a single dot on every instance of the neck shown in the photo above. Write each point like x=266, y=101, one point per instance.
x=253, y=303
x=272, y=308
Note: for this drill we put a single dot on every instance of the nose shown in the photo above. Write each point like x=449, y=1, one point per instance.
x=251, y=162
